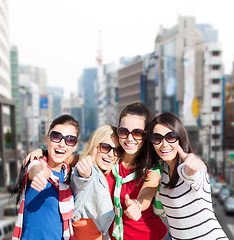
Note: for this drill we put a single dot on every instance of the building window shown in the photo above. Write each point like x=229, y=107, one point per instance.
x=215, y=95
x=215, y=53
x=215, y=67
x=216, y=81
x=215, y=109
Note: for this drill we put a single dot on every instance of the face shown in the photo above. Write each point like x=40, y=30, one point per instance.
x=130, y=144
x=105, y=161
x=59, y=151
x=165, y=150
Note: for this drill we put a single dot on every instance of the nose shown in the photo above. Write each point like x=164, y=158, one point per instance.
x=130, y=137
x=111, y=153
x=62, y=142
x=164, y=142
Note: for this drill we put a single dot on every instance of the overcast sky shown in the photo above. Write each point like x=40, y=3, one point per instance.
x=62, y=36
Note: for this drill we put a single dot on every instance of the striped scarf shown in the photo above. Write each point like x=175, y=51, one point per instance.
x=66, y=203
x=118, y=223
x=157, y=205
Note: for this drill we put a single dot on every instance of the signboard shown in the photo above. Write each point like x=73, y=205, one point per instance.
x=44, y=101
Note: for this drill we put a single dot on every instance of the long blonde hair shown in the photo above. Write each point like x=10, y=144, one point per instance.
x=100, y=134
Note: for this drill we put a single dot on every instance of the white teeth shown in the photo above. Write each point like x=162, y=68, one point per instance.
x=60, y=151
x=166, y=151
x=130, y=144
x=105, y=160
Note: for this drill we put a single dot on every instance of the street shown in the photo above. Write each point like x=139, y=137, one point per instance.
x=227, y=222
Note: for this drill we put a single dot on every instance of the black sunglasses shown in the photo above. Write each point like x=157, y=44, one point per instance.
x=136, y=133
x=57, y=137
x=106, y=148
x=171, y=137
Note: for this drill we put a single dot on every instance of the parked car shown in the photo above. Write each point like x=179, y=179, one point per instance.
x=223, y=194
x=216, y=188
x=11, y=212
x=6, y=229
x=229, y=205
x=212, y=181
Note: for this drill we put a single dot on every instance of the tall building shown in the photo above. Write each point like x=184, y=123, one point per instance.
x=57, y=94
x=8, y=139
x=189, y=83
x=15, y=89
x=88, y=79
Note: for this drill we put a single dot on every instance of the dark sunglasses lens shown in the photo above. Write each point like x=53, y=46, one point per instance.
x=118, y=151
x=156, y=138
x=105, y=148
x=122, y=132
x=71, y=140
x=138, y=133
x=55, y=136
x=171, y=137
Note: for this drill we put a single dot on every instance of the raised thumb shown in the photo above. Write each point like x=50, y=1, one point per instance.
x=127, y=200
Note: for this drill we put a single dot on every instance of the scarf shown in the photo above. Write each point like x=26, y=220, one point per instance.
x=157, y=205
x=66, y=203
x=118, y=223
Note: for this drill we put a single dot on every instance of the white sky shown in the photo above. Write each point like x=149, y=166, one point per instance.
x=62, y=36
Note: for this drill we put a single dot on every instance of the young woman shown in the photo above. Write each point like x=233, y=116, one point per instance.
x=185, y=190
x=47, y=202
x=93, y=208
x=132, y=178
x=93, y=211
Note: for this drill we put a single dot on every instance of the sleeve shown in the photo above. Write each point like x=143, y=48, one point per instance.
x=32, y=163
x=156, y=169
x=197, y=180
x=79, y=181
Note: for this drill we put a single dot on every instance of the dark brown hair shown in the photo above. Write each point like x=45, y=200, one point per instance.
x=141, y=160
x=171, y=121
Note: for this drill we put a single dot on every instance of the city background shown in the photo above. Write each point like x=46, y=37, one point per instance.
x=183, y=74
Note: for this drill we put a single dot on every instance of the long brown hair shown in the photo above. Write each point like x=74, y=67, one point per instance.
x=171, y=121
x=141, y=160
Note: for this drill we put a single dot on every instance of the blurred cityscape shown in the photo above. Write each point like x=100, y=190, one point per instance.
x=183, y=74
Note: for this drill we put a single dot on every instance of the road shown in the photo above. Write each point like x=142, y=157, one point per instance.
x=227, y=222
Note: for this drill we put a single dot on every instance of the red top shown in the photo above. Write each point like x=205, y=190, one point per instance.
x=149, y=226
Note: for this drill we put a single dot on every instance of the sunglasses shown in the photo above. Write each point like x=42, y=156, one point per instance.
x=57, y=137
x=136, y=133
x=157, y=138
x=106, y=148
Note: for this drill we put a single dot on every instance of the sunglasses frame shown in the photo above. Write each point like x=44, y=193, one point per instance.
x=165, y=137
x=132, y=133
x=63, y=137
x=114, y=149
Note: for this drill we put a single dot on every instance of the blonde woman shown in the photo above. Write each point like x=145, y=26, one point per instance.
x=93, y=211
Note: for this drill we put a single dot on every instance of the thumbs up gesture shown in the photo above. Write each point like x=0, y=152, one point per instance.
x=192, y=162
x=133, y=210
x=39, y=181
x=84, y=165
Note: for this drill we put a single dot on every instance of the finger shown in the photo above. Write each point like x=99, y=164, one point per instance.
x=127, y=200
x=181, y=152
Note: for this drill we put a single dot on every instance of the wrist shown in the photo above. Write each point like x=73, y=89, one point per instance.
x=138, y=204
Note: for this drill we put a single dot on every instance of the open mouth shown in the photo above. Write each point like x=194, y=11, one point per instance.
x=60, y=152
x=106, y=160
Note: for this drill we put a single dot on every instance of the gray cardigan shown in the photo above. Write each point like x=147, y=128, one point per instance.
x=92, y=199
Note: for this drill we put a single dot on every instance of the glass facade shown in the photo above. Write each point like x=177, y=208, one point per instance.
x=168, y=77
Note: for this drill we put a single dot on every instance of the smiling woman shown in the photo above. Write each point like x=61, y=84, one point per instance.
x=46, y=193
x=93, y=211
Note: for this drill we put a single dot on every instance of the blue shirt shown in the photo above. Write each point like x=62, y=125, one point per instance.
x=42, y=219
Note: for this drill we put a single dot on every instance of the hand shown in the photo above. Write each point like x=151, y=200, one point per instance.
x=34, y=154
x=133, y=211
x=84, y=165
x=192, y=162
x=39, y=182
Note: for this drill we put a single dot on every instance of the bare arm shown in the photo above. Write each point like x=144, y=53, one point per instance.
x=144, y=198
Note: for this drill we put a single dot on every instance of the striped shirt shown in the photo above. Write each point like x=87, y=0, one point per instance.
x=188, y=206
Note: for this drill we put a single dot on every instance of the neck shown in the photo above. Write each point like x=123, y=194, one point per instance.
x=171, y=165
x=55, y=166
x=128, y=160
